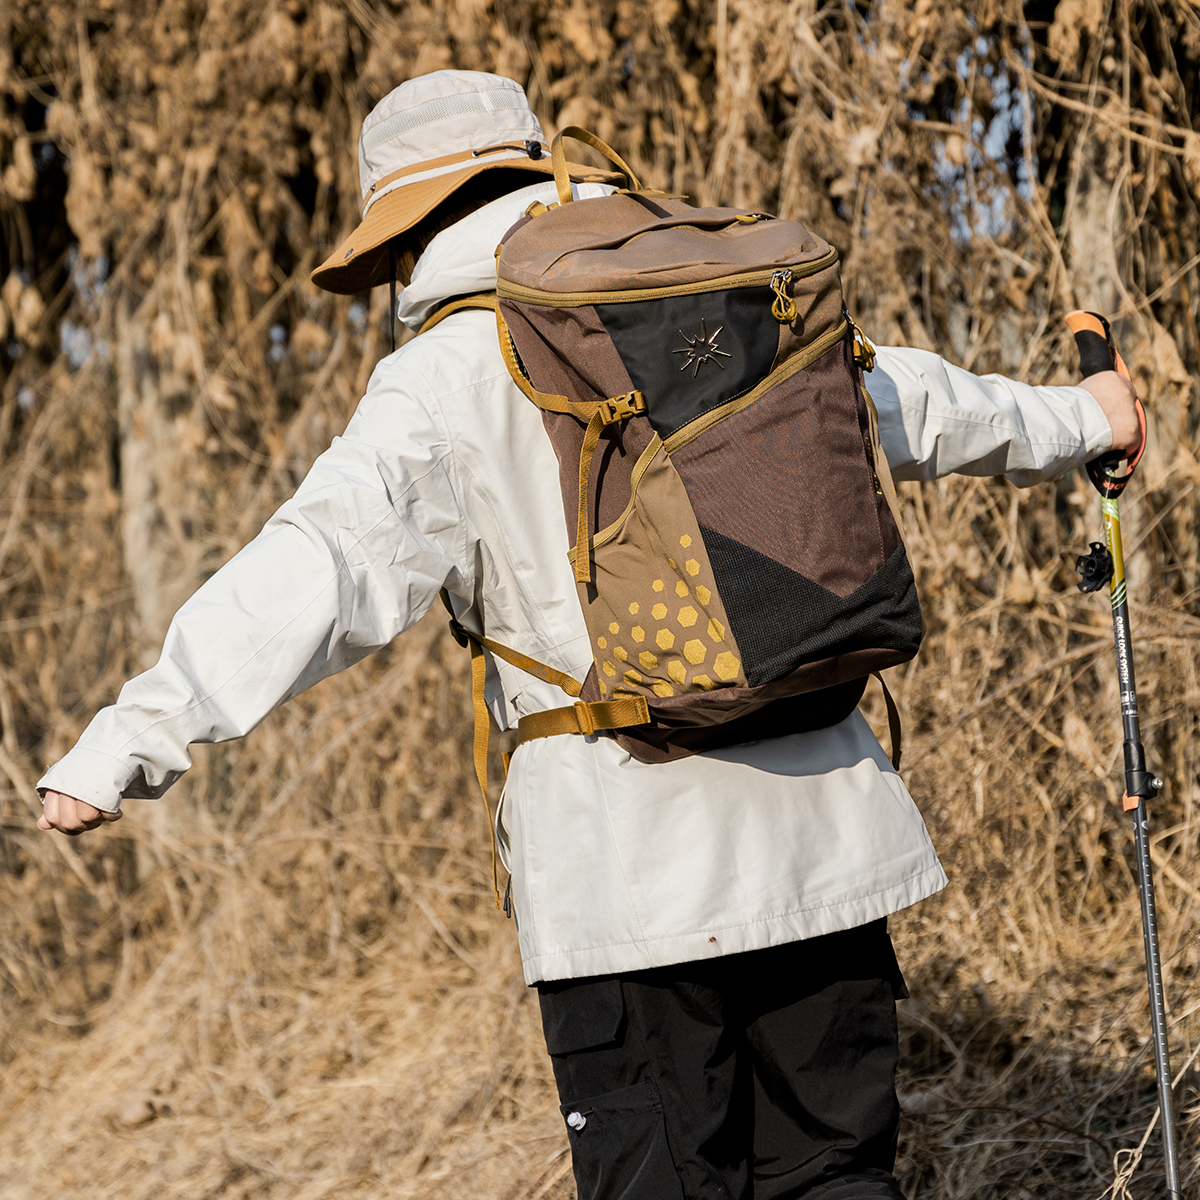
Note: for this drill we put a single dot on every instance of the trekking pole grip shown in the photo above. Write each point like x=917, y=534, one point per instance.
x=1098, y=353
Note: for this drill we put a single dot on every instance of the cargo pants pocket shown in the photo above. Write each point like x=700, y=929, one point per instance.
x=619, y=1146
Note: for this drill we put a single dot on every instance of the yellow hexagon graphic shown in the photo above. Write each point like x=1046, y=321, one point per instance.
x=602, y=642
x=614, y=627
x=663, y=689
x=692, y=567
x=633, y=609
x=716, y=630
x=694, y=651
x=632, y=676
x=638, y=633
x=657, y=585
x=687, y=616
x=609, y=669
x=619, y=652
x=726, y=666
x=671, y=563
x=677, y=671
x=703, y=681
x=686, y=540
x=703, y=594
x=648, y=660
x=665, y=639
x=658, y=611
x=681, y=588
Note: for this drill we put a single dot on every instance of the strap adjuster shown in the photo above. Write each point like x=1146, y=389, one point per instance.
x=583, y=714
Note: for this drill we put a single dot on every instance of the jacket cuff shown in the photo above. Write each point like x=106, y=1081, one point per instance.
x=1097, y=432
x=89, y=775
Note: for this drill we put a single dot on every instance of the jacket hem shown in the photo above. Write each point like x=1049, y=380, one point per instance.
x=718, y=941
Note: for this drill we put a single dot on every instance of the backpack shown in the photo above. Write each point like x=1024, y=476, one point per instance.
x=735, y=537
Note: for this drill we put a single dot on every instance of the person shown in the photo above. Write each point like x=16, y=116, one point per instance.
x=708, y=935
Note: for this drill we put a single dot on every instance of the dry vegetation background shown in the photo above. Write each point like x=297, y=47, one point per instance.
x=287, y=979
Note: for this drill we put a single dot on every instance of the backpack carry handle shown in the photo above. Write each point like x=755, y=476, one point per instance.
x=1098, y=352
x=558, y=159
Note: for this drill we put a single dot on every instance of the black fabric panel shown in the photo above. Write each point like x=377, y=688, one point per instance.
x=735, y=329
x=782, y=619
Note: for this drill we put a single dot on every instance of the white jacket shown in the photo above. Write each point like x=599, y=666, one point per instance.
x=445, y=477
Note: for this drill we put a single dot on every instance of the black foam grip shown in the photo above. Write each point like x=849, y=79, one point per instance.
x=1094, y=353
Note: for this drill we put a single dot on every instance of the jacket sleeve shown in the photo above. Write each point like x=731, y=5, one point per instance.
x=355, y=557
x=936, y=419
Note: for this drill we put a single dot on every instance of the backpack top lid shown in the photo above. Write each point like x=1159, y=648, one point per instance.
x=633, y=242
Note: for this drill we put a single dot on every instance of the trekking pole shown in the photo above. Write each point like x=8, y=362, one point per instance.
x=1106, y=564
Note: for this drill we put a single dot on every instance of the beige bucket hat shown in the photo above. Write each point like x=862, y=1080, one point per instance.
x=419, y=144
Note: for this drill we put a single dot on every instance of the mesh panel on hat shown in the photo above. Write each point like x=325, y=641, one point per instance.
x=442, y=108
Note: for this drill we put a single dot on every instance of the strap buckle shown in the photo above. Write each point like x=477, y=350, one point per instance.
x=621, y=408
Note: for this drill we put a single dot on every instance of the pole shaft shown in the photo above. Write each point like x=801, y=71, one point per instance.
x=1138, y=784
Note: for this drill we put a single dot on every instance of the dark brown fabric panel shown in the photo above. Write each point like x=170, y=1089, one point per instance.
x=567, y=351
x=789, y=476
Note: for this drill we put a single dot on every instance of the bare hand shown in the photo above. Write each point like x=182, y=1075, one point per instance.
x=71, y=816
x=1114, y=393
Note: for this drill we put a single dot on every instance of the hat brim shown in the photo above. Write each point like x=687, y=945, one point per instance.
x=361, y=261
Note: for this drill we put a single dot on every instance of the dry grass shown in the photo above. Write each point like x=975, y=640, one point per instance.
x=287, y=980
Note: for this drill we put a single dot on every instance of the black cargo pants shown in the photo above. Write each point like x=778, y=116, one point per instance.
x=768, y=1075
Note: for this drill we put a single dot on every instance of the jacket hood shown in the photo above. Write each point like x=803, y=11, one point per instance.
x=461, y=260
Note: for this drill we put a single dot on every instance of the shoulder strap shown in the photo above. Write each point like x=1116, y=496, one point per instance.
x=477, y=644
x=478, y=300
x=895, y=732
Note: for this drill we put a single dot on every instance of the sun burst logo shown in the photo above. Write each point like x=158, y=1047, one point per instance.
x=701, y=349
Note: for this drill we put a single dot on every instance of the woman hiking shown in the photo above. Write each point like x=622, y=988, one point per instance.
x=707, y=934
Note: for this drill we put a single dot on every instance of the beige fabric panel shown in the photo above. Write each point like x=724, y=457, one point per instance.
x=657, y=625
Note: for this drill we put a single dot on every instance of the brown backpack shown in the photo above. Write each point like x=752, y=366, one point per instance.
x=737, y=551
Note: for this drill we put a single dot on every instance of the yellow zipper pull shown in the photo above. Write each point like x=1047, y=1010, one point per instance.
x=783, y=307
x=864, y=352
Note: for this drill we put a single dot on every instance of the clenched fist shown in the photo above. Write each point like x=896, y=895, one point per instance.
x=71, y=816
x=1114, y=393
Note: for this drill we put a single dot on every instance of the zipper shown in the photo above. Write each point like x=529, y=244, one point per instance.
x=872, y=427
x=797, y=362
x=517, y=291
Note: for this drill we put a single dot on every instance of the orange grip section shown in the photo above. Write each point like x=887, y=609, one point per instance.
x=1078, y=321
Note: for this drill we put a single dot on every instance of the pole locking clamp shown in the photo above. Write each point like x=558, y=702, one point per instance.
x=1096, y=568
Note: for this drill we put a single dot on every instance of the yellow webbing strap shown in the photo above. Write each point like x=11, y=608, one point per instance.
x=478, y=300
x=547, y=400
x=477, y=644
x=584, y=718
x=558, y=159
x=894, y=730
x=583, y=556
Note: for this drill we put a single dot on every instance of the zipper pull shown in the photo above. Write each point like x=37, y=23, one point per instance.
x=783, y=307
x=864, y=352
